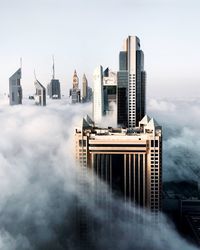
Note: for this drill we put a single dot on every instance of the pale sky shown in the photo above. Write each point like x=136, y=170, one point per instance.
x=85, y=33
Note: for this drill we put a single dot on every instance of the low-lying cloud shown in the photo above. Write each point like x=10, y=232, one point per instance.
x=181, y=121
x=40, y=193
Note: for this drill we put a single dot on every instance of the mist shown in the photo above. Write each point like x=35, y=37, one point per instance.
x=180, y=120
x=41, y=192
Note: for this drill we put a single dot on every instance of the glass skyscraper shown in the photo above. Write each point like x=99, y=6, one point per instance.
x=131, y=84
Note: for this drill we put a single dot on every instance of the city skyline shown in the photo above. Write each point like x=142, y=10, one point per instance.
x=170, y=45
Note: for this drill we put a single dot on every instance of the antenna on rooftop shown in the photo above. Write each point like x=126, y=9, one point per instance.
x=20, y=62
x=35, y=75
x=53, y=67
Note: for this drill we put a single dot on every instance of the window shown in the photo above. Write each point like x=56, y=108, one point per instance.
x=82, y=143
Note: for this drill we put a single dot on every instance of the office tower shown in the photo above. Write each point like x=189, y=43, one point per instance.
x=110, y=91
x=104, y=93
x=40, y=95
x=84, y=89
x=129, y=160
x=98, y=107
x=131, y=84
x=75, y=92
x=15, y=89
x=54, y=86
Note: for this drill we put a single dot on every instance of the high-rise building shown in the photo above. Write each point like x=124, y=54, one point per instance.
x=84, y=88
x=129, y=160
x=15, y=89
x=86, y=95
x=75, y=92
x=131, y=84
x=40, y=95
x=54, y=86
x=98, y=107
x=104, y=93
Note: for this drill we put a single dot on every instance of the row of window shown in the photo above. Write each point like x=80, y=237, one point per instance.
x=154, y=143
x=152, y=151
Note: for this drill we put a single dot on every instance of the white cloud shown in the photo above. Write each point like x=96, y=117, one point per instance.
x=39, y=191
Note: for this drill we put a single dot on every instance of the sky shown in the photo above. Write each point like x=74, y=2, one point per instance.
x=84, y=34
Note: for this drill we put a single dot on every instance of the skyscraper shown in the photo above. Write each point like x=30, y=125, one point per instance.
x=84, y=89
x=54, y=86
x=75, y=92
x=40, y=95
x=15, y=89
x=131, y=84
x=104, y=93
x=128, y=160
x=98, y=107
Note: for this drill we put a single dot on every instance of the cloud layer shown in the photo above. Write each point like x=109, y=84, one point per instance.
x=181, y=121
x=40, y=194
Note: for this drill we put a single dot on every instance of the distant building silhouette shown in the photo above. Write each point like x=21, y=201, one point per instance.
x=75, y=92
x=54, y=86
x=86, y=95
x=40, y=96
x=15, y=89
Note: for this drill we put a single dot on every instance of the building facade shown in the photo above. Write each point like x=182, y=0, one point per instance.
x=131, y=80
x=54, y=86
x=128, y=160
x=75, y=92
x=54, y=89
x=15, y=89
x=84, y=89
x=104, y=93
x=40, y=95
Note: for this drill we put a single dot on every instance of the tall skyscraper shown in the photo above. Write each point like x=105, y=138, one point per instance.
x=40, y=95
x=98, y=107
x=86, y=95
x=75, y=92
x=84, y=89
x=128, y=160
x=131, y=84
x=54, y=86
x=104, y=93
x=15, y=89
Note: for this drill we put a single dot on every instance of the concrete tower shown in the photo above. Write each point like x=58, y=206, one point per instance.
x=15, y=89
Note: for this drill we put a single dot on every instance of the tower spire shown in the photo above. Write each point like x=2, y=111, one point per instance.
x=53, y=67
x=35, y=75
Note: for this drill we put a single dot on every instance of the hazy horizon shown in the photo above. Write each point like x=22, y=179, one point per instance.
x=83, y=35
